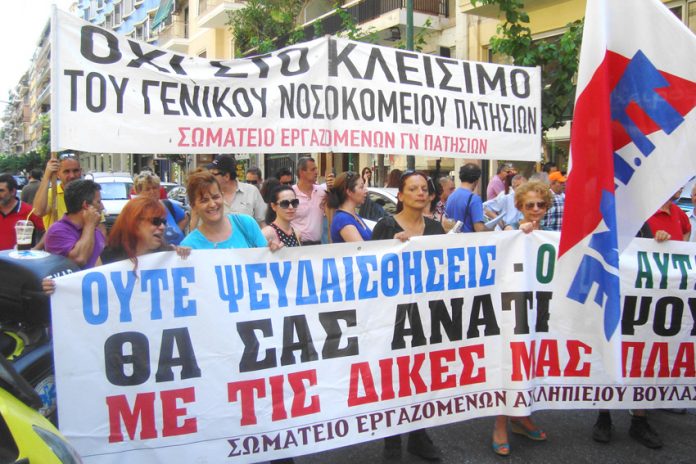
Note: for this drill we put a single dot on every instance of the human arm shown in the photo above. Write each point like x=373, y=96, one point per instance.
x=60, y=240
x=41, y=204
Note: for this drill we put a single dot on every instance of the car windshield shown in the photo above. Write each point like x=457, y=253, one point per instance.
x=115, y=190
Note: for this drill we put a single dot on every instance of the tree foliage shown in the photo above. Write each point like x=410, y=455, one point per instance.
x=558, y=57
x=261, y=22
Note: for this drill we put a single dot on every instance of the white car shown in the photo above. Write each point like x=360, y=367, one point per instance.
x=115, y=192
x=379, y=203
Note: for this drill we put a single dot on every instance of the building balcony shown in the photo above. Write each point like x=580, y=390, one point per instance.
x=44, y=96
x=174, y=36
x=382, y=15
x=212, y=14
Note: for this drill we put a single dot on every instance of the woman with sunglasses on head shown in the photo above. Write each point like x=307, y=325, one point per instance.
x=346, y=195
x=282, y=205
x=139, y=230
x=216, y=230
x=408, y=222
x=532, y=199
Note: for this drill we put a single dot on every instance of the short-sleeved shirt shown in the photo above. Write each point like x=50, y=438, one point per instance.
x=29, y=191
x=245, y=234
x=554, y=217
x=8, y=236
x=247, y=200
x=495, y=186
x=309, y=215
x=60, y=206
x=64, y=234
x=173, y=234
x=456, y=208
x=342, y=219
x=675, y=223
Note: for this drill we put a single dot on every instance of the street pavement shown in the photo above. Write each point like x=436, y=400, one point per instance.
x=569, y=441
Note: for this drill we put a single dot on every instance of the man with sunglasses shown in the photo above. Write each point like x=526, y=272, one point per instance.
x=254, y=177
x=66, y=168
x=238, y=197
x=77, y=235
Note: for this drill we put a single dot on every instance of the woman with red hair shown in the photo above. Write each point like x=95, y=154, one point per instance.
x=139, y=230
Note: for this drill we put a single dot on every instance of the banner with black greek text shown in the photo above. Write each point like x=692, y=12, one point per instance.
x=111, y=93
x=248, y=355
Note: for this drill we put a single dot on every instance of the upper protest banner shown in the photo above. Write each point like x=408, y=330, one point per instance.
x=249, y=355
x=113, y=94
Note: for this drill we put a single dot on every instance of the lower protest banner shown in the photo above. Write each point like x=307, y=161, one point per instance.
x=248, y=355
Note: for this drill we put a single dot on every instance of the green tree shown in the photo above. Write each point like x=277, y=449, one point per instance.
x=558, y=58
x=261, y=22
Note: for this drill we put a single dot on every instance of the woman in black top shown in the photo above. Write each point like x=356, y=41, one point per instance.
x=409, y=220
x=406, y=223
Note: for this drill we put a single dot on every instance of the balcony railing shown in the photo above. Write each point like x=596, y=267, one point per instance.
x=369, y=10
x=177, y=29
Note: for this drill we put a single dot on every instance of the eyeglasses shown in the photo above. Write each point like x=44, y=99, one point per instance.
x=285, y=204
x=158, y=221
x=538, y=204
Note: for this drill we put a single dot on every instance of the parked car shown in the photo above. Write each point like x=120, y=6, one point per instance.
x=176, y=192
x=115, y=192
x=21, y=181
x=379, y=203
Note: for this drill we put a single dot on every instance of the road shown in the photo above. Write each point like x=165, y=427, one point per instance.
x=569, y=441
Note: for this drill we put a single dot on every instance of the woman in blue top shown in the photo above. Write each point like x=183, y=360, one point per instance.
x=346, y=195
x=215, y=229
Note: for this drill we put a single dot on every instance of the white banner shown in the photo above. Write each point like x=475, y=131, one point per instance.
x=117, y=94
x=248, y=356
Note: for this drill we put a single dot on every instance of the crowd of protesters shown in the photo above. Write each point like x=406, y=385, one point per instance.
x=284, y=211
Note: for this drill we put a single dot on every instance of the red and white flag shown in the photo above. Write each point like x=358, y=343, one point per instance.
x=633, y=141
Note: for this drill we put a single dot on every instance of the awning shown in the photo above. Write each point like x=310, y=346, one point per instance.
x=163, y=12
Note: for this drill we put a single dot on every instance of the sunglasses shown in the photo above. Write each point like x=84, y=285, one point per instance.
x=285, y=204
x=65, y=156
x=158, y=221
x=287, y=183
x=252, y=182
x=532, y=204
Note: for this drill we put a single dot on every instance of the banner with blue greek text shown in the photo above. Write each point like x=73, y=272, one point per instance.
x=248, y=355
x=110, y=92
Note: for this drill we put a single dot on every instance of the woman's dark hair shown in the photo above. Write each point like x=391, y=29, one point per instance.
x=273, y=198
x=434, y=188
x=393, y=178
x=402, y=182
x=362, y=174
x=344, y=183
x=267, y=188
